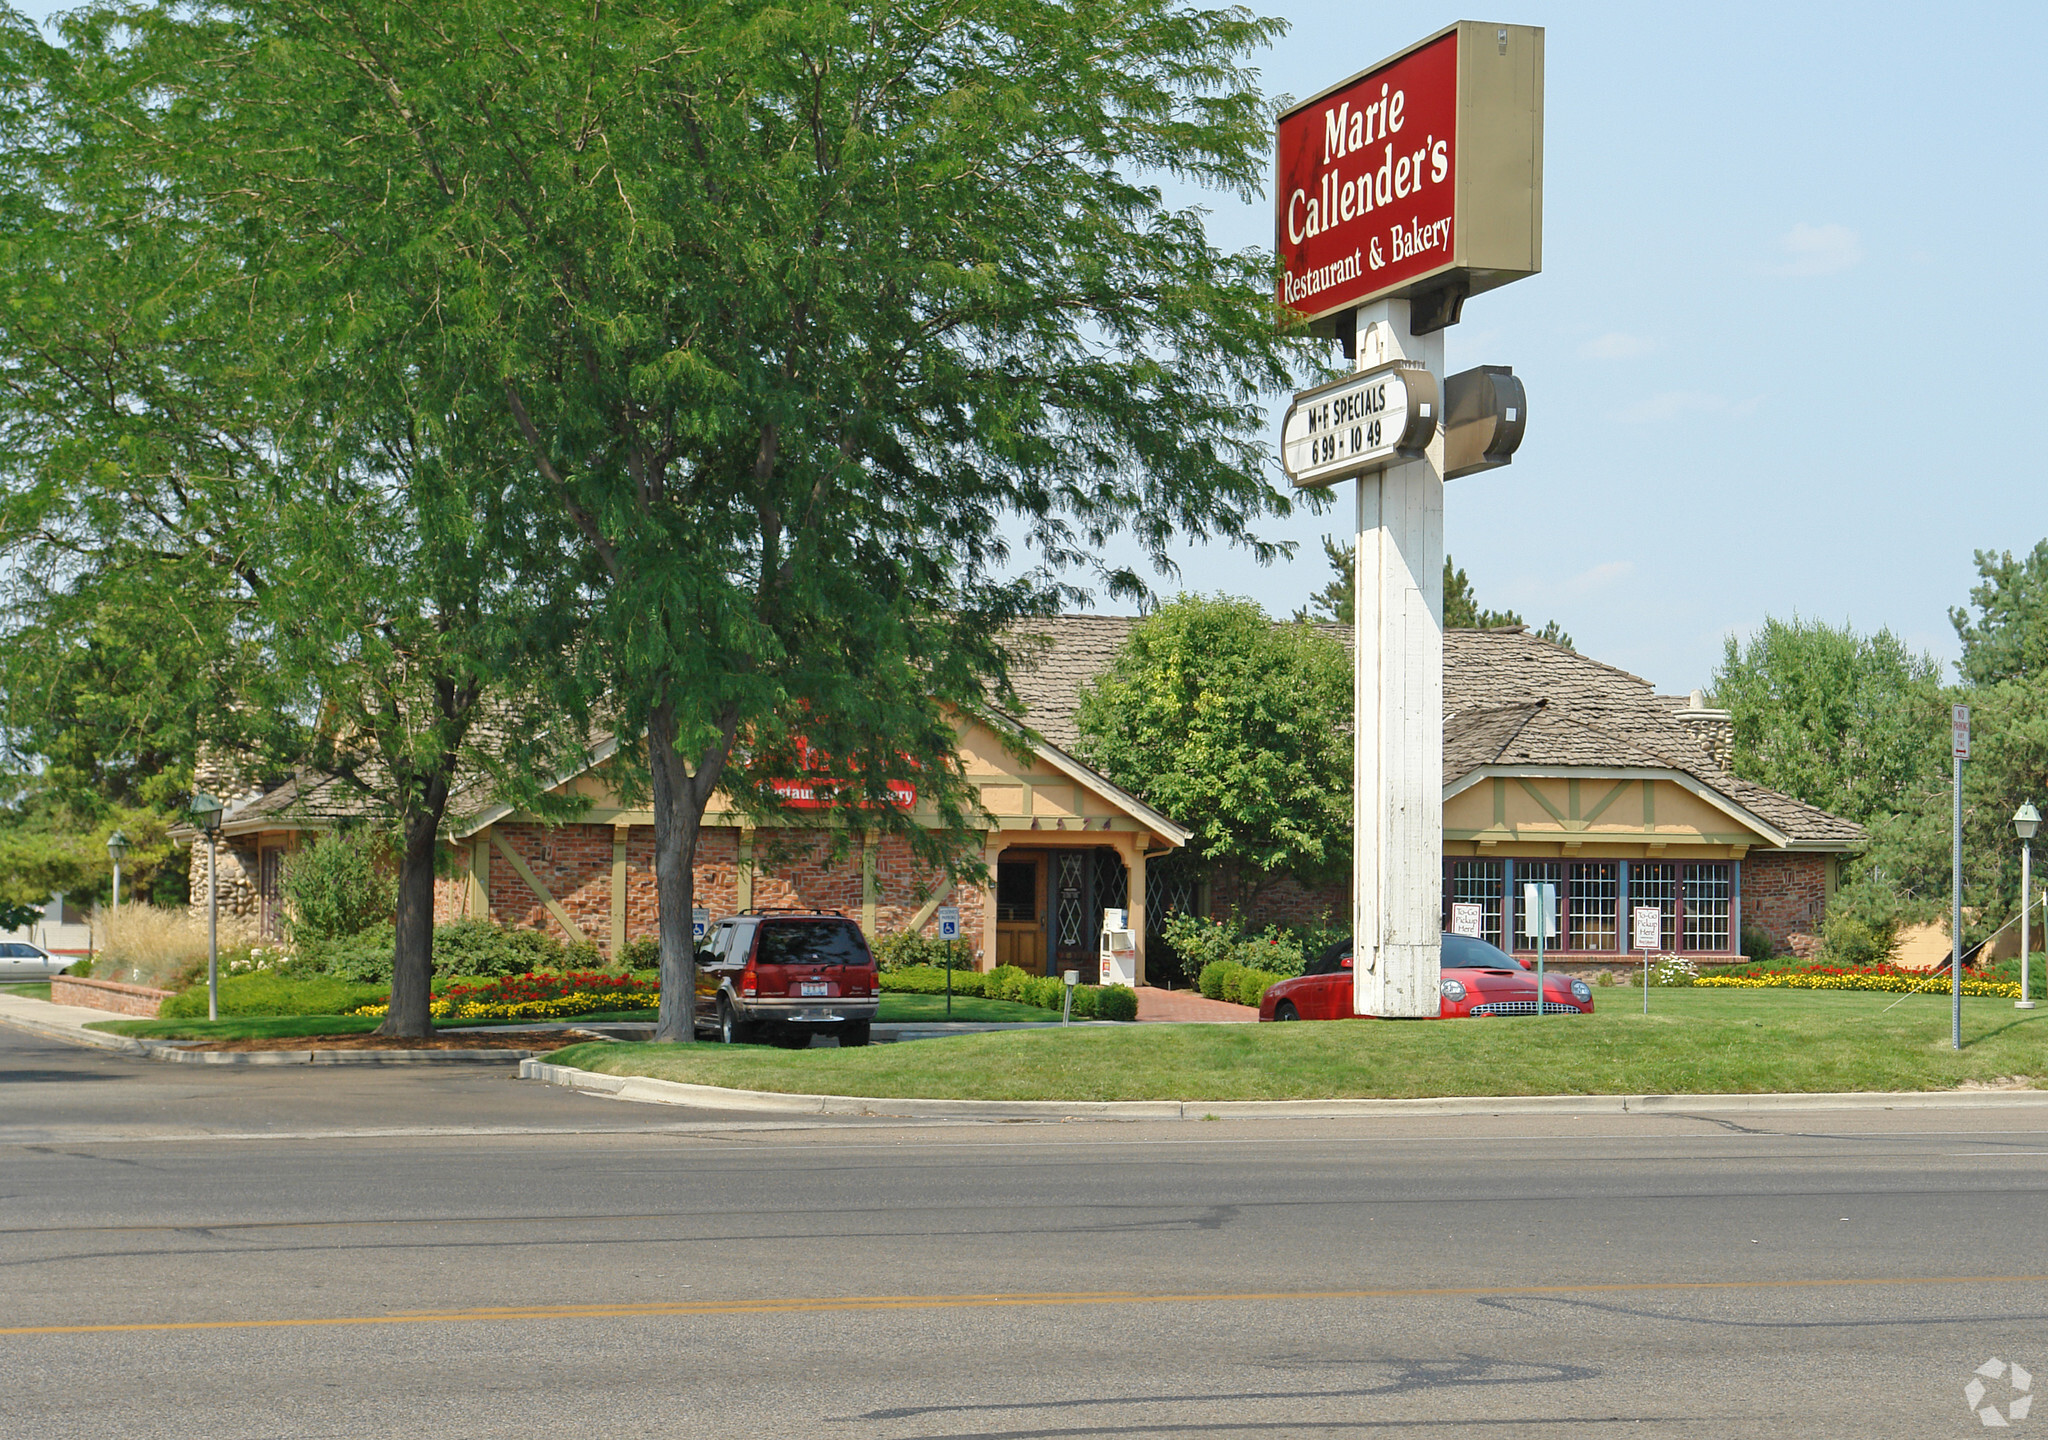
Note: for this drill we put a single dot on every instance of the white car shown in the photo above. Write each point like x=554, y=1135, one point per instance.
x=20, y=960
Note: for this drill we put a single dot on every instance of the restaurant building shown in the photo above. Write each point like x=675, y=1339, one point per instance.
x=1556, y=768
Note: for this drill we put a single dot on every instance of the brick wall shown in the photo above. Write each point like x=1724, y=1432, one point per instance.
x=1286, y=901
x=574, y=863
x=901, y=887
x=794, y=870
x=108, y=995
x=1785, y=895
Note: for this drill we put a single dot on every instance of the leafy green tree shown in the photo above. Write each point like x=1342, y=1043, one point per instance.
x=793, y=311
x=1234, y=726
x=1334, y=602
x=1851, y=723
x=207, y=440
x=2008, y=639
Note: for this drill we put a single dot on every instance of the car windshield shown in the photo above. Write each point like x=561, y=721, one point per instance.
x=1462, y=952
x=811, y=942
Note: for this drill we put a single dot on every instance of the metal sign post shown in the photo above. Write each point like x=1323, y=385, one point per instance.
x=1539, y=918
x=1959, y=749
x=949, y=929
x=1649, y=937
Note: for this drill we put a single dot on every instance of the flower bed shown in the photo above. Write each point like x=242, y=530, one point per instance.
x=538, y=997
x=1874, y=977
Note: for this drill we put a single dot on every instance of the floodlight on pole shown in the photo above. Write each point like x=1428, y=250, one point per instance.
x=117, y=851
x=206, y=812
x=2025, y=821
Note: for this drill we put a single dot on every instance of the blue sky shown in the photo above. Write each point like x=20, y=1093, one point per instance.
x=1786, y=353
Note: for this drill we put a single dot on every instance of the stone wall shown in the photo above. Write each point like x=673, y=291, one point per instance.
x=238, y=896
x=1785, y=894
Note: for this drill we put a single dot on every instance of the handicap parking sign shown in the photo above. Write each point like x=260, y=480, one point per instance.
x=700, y=921
x=949, y=922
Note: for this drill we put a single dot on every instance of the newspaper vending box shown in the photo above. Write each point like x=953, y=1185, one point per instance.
x=1119, y=949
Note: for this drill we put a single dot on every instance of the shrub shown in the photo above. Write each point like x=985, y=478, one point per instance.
x=1202, y=942
x=1757, y=944
x=336, y=888
x=268, y=993
x=1251, y=985
x=1215, y=976
x=363, y=958
x=641, y=954
x=478, y=948
x=1606, y=978
x=1005, y=982
x=929, y=980
x=1115, y=1002
x=1674, y=972
x=908, y=947
x=1854, y=942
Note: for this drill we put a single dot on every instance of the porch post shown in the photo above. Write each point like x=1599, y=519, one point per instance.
x=619, y=834
x=1137, y=901
x=991, y=848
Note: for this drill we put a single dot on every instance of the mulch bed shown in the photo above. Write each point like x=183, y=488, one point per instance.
x=520, y=1040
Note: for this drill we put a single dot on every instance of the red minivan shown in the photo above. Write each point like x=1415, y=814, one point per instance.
x=785, y=976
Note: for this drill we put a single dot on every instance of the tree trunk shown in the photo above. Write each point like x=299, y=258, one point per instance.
x=678, y=817
x=412, y=963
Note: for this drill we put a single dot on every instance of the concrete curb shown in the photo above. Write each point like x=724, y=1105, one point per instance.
x=712, y=1097
x=175, y=1055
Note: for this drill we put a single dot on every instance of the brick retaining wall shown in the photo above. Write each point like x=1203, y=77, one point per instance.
x=138, y=1000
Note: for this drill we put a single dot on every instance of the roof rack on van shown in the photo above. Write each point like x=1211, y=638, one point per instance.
x=789, y=910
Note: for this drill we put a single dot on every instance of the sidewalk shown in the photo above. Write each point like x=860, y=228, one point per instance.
x=1181, y=1006
x=65, y=1022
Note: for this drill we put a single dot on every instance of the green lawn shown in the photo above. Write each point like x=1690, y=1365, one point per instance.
x=1694, y=1041
x=895, y=1009
x=923, y=1009
x=260, y=1027
x=28, y=990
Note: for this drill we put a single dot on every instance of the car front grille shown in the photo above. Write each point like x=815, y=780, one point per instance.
x=1523, y=1007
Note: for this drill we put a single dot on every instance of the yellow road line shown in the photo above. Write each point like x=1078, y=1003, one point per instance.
x=829, y=1304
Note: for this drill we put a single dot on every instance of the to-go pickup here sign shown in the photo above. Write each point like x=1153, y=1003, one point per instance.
x=1359, y=424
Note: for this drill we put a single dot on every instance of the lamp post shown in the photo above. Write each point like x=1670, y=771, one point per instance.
x=2025, y=821
x=117, y=847
x=205, y=812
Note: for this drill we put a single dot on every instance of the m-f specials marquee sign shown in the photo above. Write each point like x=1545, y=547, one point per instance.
x=1423, y=174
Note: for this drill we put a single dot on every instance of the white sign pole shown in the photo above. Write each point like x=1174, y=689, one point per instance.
x=1959, y=750
x=1398, y=705
x=1649, y=937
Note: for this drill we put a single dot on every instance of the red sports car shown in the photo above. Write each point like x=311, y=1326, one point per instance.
x=1478, y=979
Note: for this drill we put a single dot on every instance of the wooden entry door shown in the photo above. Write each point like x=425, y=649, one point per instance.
x=1020, y=912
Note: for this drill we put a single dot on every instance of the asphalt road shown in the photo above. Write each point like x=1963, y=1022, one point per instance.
x=305, y=1252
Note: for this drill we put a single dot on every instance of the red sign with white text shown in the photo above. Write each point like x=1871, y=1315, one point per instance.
x=1367, y=194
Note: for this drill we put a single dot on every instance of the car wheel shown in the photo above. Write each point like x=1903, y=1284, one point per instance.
x=731, y=1029
x=853, y=1032
x=1285, y=1011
